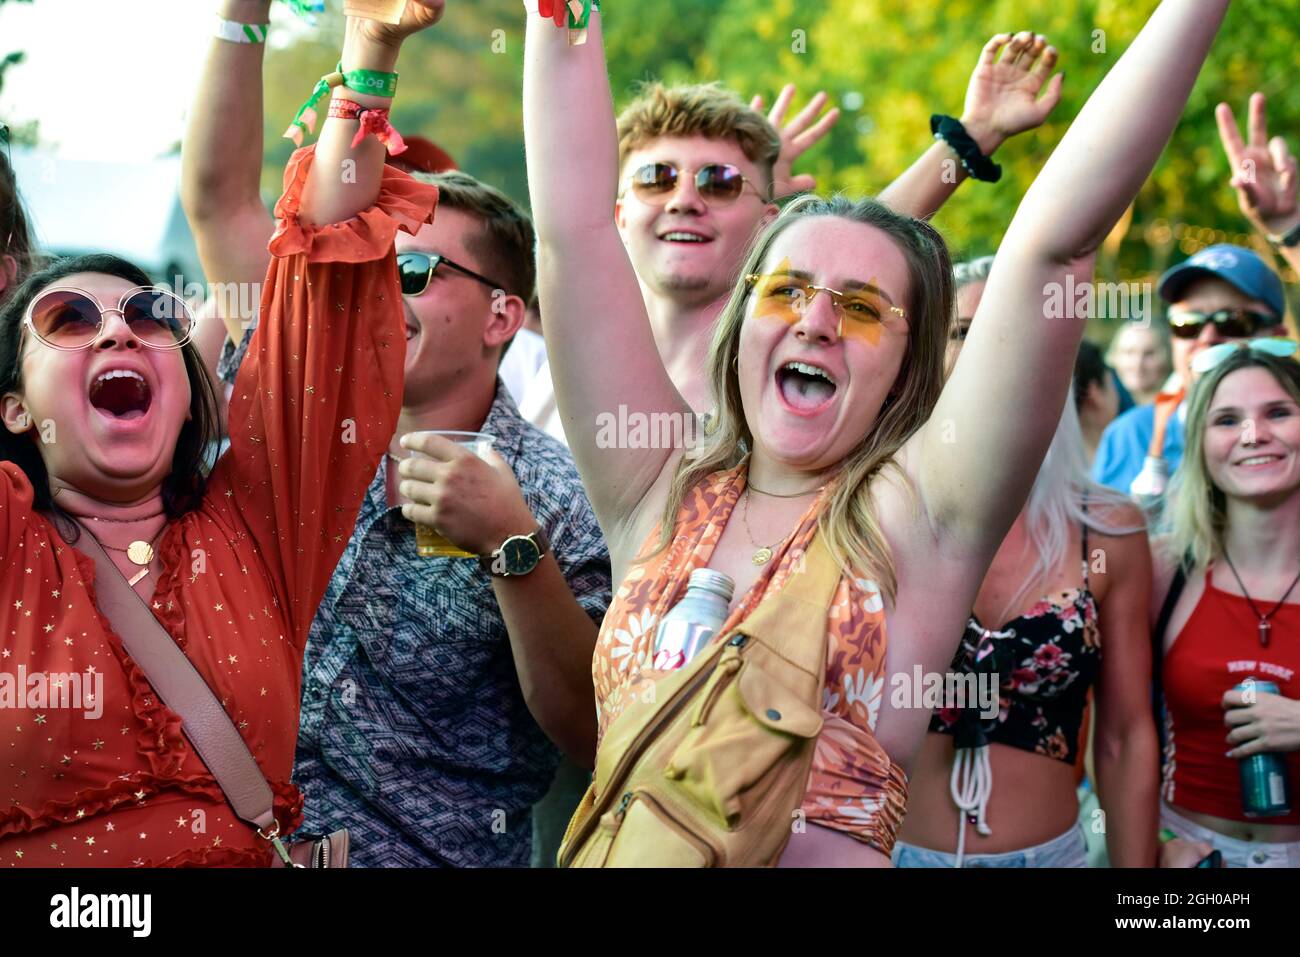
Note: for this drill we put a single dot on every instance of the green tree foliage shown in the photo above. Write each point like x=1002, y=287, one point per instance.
x=889, y=64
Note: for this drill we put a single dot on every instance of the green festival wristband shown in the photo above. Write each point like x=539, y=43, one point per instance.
x=373, y=82
x=580, y=23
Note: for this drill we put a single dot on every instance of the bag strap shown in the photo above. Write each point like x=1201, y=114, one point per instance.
x=180, y=686
x=793, y=621
x=1175, y=592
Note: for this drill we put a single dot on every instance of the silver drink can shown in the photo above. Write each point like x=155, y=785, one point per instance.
x=693, y=621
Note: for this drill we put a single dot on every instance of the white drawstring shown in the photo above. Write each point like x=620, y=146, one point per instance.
x=971, y=784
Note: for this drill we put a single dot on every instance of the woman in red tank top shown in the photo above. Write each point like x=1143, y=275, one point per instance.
x=1234, y=518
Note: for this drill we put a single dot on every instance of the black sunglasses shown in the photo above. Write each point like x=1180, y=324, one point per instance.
x=1232, y=323
x=416, y=272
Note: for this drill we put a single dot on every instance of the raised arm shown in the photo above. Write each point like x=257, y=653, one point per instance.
x=598, y=338
x=317, y=397
x=992, y=425
x=221, y=167
x=1005, y=97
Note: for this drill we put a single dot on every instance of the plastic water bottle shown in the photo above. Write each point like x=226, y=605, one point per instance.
x=1148, y=488
x=694, y=620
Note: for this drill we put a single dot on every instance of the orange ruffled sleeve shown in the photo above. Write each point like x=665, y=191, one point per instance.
x=316, y=401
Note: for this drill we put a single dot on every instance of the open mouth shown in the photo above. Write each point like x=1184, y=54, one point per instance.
x=805, y=387
x=681, y=236
x=121, y=394
x=1257, y=460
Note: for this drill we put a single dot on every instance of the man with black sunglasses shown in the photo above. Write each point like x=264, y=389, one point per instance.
x=1221, y=294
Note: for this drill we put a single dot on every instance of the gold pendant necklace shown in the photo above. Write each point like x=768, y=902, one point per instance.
x=764, y=552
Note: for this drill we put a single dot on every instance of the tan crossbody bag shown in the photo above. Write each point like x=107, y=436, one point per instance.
x=710, y=768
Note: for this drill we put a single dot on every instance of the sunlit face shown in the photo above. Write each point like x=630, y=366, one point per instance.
x=112, y=437
x=810, y=415
x=1139, y=360
x=453, y=332
x=1209, y=295
x=1252, y=437
x=687, y=249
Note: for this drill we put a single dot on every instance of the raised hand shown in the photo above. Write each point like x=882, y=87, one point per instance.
x=418, y=15
x=1263, y=170
x=796, y=137
x=1006, y=94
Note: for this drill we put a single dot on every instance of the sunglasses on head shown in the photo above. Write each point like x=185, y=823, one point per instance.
x=416, y=272
x=717, y=183
x=1215, y=355
x=72, y=319
x=1234, y=323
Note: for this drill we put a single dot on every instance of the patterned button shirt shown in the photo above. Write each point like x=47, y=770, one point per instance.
x=414, y=734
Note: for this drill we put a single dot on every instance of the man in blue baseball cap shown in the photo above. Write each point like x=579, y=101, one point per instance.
x=1222, y=294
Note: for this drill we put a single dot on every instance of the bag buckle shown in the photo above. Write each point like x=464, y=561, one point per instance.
x=272, y=835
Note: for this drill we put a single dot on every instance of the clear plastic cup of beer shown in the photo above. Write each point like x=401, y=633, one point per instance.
x=429, y=542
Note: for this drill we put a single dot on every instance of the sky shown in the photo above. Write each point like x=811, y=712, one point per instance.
x=108, y=79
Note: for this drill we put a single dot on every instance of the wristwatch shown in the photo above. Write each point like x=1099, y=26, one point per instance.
x=518, y=555
x=1288, y=239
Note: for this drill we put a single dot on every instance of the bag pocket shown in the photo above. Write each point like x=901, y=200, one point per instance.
x=645, y=829
x=748, y=723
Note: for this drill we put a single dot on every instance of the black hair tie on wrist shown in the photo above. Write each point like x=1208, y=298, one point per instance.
x=976, y=164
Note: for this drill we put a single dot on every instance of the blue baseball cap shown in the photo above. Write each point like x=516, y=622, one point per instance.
x=1233, y=264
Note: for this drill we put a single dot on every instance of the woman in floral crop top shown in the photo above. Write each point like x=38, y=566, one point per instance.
x=831, y=410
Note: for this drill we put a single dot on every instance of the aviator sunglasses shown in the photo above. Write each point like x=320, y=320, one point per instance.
x=70, y=319
x=416, y=271
x=719, y=184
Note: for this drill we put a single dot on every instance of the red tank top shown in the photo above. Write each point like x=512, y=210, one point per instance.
x=1217, y=649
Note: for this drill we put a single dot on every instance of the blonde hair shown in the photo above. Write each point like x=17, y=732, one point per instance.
x=848, y=523
x=1196, y=511
x=699, y=109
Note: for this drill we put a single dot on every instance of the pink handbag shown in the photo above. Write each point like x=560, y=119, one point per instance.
x=214, y=736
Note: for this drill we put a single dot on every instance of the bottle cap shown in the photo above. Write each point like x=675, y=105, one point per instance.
x=706, y=579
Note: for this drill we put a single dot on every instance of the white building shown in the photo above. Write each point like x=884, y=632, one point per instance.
x=130, y=209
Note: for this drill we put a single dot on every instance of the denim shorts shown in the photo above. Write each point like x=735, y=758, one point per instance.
x=1236, y=853
x=1068, y=850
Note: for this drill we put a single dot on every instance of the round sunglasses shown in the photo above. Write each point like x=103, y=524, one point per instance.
x=1233, y=323
x=70, y=319
x=718, y=184
x=416, y=270
x=1215, y=355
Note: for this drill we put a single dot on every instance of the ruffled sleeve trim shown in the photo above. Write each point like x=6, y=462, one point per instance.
x=403, y=203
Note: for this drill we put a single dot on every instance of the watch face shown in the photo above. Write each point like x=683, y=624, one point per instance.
x=519, y=555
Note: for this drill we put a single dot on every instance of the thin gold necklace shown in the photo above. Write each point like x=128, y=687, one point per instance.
x=764, y=552
x=811, y=491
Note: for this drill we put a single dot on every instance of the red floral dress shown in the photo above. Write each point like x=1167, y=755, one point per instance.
x=853, y=787
x=313, y=410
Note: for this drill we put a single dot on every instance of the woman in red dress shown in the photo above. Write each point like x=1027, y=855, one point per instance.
x=105, y=425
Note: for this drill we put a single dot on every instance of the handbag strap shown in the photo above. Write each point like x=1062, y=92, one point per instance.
x=180, y=686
